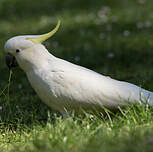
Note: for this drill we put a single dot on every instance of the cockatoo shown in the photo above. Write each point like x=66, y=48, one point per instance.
x=63, y=85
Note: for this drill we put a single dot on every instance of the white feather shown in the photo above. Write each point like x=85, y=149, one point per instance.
x=61, y=84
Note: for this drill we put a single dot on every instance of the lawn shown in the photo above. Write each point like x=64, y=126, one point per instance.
x=114, y=38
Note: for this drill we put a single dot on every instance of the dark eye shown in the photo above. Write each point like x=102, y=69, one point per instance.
x=17, y=50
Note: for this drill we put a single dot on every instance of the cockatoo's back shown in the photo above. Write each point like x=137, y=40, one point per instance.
x=66, y=85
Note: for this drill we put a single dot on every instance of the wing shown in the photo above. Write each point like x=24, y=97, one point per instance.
x=84, y=86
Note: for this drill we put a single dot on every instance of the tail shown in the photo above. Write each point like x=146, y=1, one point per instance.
x=146, y=97
x=131, y=93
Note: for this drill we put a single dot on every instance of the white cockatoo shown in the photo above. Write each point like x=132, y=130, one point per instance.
x=63, y=85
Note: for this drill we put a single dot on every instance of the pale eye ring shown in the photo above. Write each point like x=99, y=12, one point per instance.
x=17, y=50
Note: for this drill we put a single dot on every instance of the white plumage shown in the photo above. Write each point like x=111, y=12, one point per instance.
x=63, y=85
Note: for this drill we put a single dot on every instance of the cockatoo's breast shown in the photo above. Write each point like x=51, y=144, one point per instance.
x=42, y=82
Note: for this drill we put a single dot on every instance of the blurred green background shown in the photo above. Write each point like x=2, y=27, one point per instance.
x=112, y=37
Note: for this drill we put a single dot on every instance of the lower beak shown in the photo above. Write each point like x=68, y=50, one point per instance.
x=10, y=61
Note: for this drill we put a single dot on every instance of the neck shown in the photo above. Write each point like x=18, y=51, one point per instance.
x=34, y=58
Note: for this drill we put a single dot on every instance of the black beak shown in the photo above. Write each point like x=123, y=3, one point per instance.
x=10, y=61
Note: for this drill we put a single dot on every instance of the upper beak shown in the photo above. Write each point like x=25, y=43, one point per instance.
x=10, y=61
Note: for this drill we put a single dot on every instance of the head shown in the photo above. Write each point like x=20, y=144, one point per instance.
x=19, y=45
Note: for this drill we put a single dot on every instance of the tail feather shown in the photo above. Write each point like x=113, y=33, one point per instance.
x=146, y=97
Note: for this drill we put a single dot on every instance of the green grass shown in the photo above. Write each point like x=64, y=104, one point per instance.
x=111, y=37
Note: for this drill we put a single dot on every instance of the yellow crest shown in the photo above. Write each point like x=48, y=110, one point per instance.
x=46, y=36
